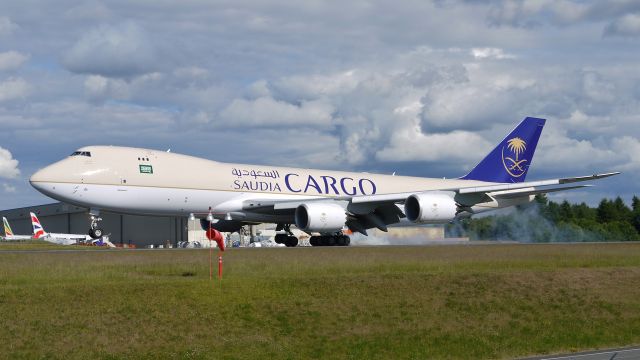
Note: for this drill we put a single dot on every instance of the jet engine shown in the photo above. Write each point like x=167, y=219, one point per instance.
x=320, y=217
x=430, y=208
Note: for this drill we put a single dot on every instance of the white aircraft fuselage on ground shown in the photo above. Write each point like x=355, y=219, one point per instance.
x=150, y=182
x=61, y=239
x=9, y=235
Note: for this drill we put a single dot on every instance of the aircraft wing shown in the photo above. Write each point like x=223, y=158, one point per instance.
x=369, y=211
x=550, y=183
x=542, y=186
x=510, y=194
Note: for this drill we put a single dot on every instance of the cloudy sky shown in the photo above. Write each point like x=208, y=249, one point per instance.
x=419, y=87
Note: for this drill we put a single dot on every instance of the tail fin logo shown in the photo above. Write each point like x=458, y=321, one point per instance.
x=511, y=161
x=38, y=231
x=7, y=228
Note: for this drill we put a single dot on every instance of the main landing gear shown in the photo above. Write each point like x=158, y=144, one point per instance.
x=330, y=240
x=94, y=231
x=287, y=239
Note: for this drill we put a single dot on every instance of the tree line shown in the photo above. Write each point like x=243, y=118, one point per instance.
x=547, y=221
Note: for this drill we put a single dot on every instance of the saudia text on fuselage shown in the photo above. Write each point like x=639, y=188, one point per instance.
x=273, y=181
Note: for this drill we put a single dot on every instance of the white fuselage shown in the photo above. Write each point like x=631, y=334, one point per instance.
x=65, y=239
x=142, y=181
x=16, y=237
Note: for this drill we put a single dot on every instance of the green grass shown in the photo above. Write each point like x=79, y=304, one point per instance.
x=467, y=302
x=41, y=245
x=28, y=245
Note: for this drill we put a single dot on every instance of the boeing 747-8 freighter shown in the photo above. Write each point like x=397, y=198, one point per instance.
x=149, y=182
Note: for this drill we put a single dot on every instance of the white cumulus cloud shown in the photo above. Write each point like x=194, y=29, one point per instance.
x=417, y=146
x=266, y=111
x=8, y=188
x=490, y=53
x=11, y=60
x=6, y=26
x=8, y=165
x=13, y=88
x=122, y=50
x=625, y=26
x=627, y=147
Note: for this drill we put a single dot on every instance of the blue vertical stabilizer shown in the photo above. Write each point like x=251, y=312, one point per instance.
x=511, y=159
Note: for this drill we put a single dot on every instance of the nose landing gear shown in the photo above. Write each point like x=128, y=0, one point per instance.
x=94, y=231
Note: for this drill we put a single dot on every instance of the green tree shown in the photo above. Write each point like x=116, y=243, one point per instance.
x=553, y=212
x=565, y=212
x=622, y=211
x=620, y=231
x=606, y=211
x=547, y=221
x=583, y=211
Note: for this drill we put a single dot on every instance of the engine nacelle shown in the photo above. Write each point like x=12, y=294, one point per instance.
x=430, y=208
x=320, y=217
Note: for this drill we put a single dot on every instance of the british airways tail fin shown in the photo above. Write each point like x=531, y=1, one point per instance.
x=7, y=228
x=38, y=230
x=510, y=160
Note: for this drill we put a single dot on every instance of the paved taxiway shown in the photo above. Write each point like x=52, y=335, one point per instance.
x=611, y=354
x=337, y=248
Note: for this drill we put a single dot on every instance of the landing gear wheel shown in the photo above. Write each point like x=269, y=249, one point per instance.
x=281, y=238
x=330, y=240
x=315, y=241
x=96, y=233
x=291, y=241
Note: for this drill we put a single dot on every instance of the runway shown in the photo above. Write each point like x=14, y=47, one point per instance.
x=445, y=243
x=617, y=354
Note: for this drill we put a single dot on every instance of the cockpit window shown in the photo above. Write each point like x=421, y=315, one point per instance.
x=81, y=153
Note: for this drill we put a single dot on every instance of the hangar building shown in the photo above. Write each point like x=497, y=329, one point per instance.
x=122, y=229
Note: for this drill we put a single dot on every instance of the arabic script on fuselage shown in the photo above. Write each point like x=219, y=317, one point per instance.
x=273, y=181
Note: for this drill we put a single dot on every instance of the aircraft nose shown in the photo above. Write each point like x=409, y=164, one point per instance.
x=48, y=179
x=40, y=179
x=43, y=175
x=43, y=179
x=38, y=176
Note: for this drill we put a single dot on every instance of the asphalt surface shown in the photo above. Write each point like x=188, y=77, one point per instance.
x=611, y=354
x=431, y=243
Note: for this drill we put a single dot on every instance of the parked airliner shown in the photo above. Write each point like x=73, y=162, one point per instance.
x=9, y=235
x=150, y=182
x=63, y=239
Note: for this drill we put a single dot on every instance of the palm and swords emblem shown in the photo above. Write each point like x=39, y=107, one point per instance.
x=515, y=167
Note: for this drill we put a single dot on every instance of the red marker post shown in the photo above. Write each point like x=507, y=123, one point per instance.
x=215, y=235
